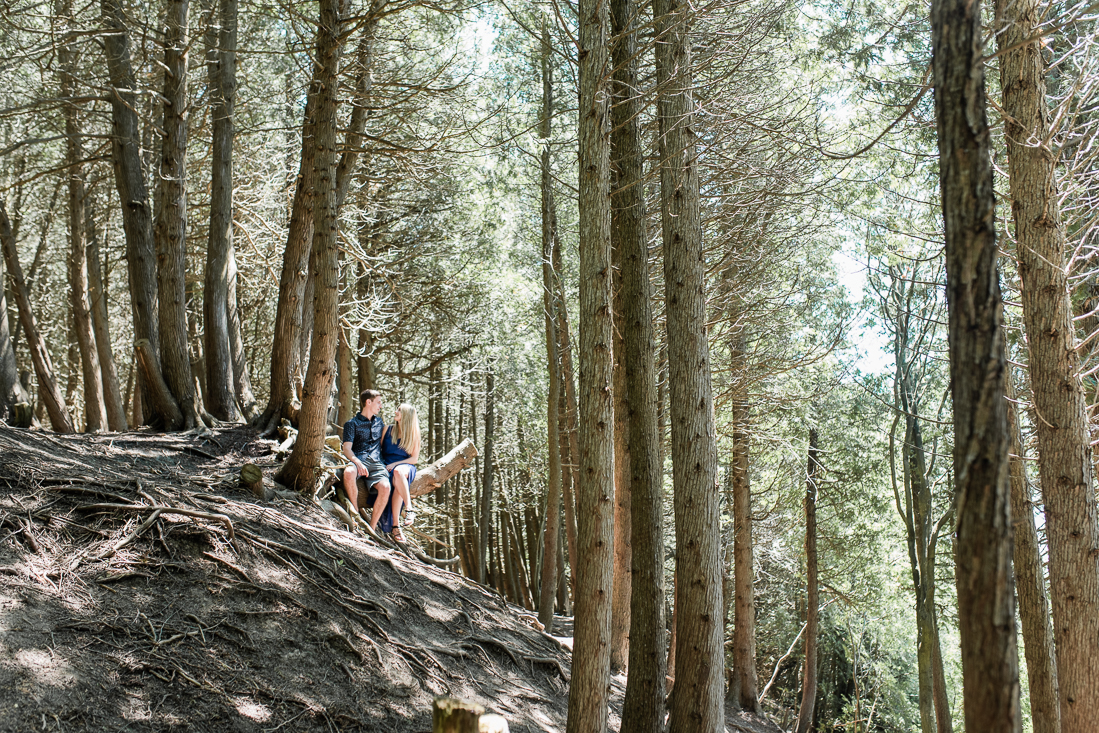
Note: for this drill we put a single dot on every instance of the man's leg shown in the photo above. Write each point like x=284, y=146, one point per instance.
x=379, y=503
x=350, y=479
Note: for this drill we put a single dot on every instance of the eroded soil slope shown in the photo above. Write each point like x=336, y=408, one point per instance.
x=241, y=616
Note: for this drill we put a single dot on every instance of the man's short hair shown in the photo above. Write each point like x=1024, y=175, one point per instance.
x=368, y=394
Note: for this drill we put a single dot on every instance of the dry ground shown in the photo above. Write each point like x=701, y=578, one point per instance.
x=251, y=616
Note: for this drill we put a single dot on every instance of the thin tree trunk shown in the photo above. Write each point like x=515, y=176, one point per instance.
x=744, y=685
x=697, y=702
x=986, y=603
x=299, y=471
x=812, y=594
x=1064, y=449
x=1030, y=587
x=242, y=382
x=643, y=708
x=95, y=411
x=486, y=490
x=48, y=389
x=589, y=690
x=126, y=147
x=112, y=391
x=221, y=41
x=171, y=225
x=552, y=525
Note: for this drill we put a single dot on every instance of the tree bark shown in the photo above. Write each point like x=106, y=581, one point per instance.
x=1064, y=445
x=221, y=67
x=48, y=388
x=986, y=608
x=589, y=690
x=626, y=222
x=697, y=702
x=112, y=391
x=95, y=411
x=299, y=471
x=812, y=593
x=552, y=531
x=126, y=147
x=1030, y=588
x=643, y=708
x=171, y=224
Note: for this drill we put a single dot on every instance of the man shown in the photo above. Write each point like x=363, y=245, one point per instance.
x=362, y=436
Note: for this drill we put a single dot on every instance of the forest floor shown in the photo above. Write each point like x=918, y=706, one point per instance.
x=244, y=615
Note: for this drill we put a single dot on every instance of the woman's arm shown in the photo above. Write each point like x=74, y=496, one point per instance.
x=412, y=460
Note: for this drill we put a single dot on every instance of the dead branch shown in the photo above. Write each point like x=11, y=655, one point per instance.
x=164, y=510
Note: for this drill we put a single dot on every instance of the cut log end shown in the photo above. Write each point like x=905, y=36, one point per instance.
x=251, y=478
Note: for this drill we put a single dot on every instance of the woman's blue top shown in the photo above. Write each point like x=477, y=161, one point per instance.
x=391, y=452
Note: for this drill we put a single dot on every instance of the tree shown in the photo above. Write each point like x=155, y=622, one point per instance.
x=588, y=692
x=986, y=603
x=126, y=146
x=1064, y=443
x=221, y=68
x=172, y=218
x=812, y=590
x=299, y=470
x=643, y=709
x=95, y=411
x=697, y=700
x=1030, y=585
x=552, y=530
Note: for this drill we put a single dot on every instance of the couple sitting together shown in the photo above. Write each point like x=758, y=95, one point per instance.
x=385, y=456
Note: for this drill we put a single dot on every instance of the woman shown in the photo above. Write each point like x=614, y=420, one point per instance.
x=400, y=452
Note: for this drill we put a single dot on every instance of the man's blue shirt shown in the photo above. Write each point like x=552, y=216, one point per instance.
x=365, y=436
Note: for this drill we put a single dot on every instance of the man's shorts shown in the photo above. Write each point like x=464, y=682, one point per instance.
x=376, y=471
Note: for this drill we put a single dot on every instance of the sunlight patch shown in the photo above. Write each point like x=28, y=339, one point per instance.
x=47, y=668
x=252, y=710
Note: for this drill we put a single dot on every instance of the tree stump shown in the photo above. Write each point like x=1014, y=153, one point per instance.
x=455, y=716
x=251, y=478
x=22, y=415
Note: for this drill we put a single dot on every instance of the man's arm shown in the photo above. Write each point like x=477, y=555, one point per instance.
x=353, y=458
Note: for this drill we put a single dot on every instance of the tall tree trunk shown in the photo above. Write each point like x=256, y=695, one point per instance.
x=171, y=225
x=1064, y=449
x=282, y=402
x=48, y=388
x=588, y=692
x=986, y=603
x=95, y=411
x=1030, y=586
x=643, y=708
x=221, y=63
x=112, y=391
x=812, y=593
x=552, y=529
x=569, y=411
x=744, y=685
x=626, y=222
x=299, y=471
x=126, y=147
x=697, y=701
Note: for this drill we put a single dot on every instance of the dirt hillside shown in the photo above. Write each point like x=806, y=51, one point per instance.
x=246, y=616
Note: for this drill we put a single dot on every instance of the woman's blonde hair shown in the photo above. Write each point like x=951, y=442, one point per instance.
x=407, y=431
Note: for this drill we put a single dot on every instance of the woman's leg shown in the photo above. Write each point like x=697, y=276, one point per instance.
x=400, y=491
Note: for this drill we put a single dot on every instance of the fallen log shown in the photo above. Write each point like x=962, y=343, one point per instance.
x=251, y=478
x=435, y=475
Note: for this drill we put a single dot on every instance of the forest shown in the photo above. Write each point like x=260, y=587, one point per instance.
x=773, y=322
